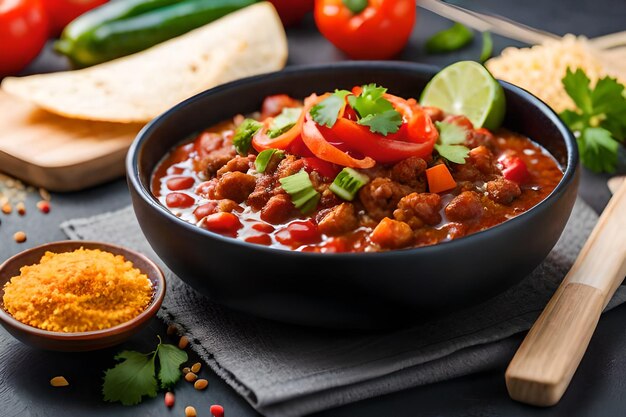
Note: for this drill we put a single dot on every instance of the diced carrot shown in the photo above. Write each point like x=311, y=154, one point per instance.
x=439, y=179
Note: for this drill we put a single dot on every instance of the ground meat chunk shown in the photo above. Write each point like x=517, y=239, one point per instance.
x=381, y=196
x=465, y=206
x=235, y=186
x=503, y=191
x=480, y=137
x=237, y=164
x=417, y=209
x=392, y=234
x=228, y=206
x=339, y=220
x=278, y=209
x=482, y=158
x=410, y=172
x=289, y=166
x=263, y=191
x=211, y=163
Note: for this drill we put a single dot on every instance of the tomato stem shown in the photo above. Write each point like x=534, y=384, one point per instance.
x=355, y=6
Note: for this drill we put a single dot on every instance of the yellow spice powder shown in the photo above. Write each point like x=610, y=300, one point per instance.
x=77, y=291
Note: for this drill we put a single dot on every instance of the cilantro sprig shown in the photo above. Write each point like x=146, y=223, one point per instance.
x=372, y=109
x=598, y=121
x=134, y=377
x=449, y=145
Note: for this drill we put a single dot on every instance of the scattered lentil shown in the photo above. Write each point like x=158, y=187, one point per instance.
x=59, y=381
x=186, y=370
x=200, y=384
x=169, y=399
x=19, y=237
x=6, y=208
x=44, y=194
x=217, y=410
x=43, y=206
x=190, y=377
x=172, y=329
x=183, y=342
x=20, y=208
x=195, y=368
x=190, y=411
x=77, y=291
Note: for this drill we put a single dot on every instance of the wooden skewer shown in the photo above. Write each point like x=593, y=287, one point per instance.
x=549, y=355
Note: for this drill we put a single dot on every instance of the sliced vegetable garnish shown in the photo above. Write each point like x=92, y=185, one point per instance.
x=487, y=49
x=384, y=123
x=303, y=195
x=439, y=179
x=243, y=135
x=264, y=158
x=451, y=136
x=347, y=183
x=326, y=112
x=448, y=40
x=375, y=111
x=287, y=118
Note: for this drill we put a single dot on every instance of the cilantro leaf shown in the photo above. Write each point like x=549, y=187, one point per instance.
x=449, y=145
x=598, y=150
x=284, y=121
x=326, y=111
x=576, y=85
x=170, y=359
x=384, y=123
x=370, y=101
x=131, y=379
x=243, y=135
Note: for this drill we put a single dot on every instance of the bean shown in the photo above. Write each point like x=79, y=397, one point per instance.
x=20, y=208
x=19, y=237
x=169, y=399
x=195, y=368
x=186, y=370
x=217, y=410
x=190, y=377
x=59, y=381
x=190, y=411
x=180, y=183
x=43, y=206
x=183, y=342
x=6, y=208
x=180, y=200
x=172, y=330
x=200, y=384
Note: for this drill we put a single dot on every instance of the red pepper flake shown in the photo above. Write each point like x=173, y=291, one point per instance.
x=217, y=410
x=21, y=208
x=43, y=206
x=169, y=399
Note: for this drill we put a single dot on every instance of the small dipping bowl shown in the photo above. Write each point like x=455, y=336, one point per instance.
x=79, y=341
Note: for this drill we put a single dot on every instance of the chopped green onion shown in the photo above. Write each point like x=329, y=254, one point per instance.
x=262, y=159
x=347, y=183
x=487, y=50
x=448, y=40
x=300, y=188
x=243, y=135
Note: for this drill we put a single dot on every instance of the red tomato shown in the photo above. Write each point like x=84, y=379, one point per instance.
x=62, y=12
x=23, y=33
x=379, y=31
x=179, y=200
x=223, y=223
x=180, y=183
x=291, y=12
x=514, y=169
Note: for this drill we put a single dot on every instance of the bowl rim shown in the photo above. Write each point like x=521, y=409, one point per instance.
x=143, y=191
x=155, y=304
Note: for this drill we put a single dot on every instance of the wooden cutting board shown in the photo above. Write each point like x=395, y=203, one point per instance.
x=58, y=153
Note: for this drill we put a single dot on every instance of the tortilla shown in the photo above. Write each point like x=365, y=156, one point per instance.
x=141, y=86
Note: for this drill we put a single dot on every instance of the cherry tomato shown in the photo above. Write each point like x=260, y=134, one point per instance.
x=291, y=12
x=62, y=12
x=223, y=223
x=180, y=183
x=379, y=29
x=204, y=210
x=23, y=33
x=179, y=200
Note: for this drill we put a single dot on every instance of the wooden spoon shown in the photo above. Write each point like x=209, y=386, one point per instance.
x=549, y=355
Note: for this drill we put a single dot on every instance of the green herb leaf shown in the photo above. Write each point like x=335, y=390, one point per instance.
x=170, y=360
x=451, y=136
x=384, y=123
x=131, y=379
x=284, y=121
x=487, y=49
x=450, y=39
x=370, y=101
x=598, y=150
x=355, y=6
x=598, y=121
x=243, y=135
x=326, y=111
x=263, y=158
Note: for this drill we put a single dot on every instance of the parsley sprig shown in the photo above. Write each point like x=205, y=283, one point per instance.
x=449, y=145
x=372, y=108
x=598, y=121
x=133, y=378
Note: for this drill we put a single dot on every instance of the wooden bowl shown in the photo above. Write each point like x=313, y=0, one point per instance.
x=79, y=341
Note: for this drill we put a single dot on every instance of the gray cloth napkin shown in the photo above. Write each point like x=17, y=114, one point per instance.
x=285, y=370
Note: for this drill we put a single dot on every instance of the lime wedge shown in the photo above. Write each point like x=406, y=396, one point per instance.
x=467, y=88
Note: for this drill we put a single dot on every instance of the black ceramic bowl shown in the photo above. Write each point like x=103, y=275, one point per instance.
x=347, y=290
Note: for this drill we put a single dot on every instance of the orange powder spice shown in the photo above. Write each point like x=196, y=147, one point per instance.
x=77, y=291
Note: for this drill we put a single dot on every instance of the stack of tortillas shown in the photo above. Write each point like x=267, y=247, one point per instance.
x=141, y=86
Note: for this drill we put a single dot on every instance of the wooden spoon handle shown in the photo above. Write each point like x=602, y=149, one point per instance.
x=549, y=355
